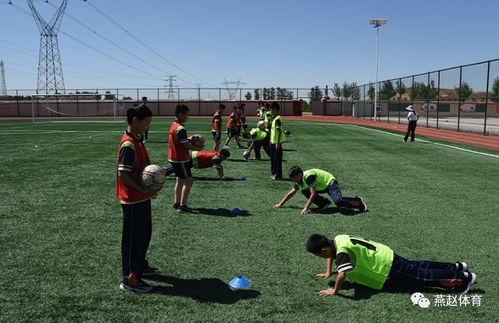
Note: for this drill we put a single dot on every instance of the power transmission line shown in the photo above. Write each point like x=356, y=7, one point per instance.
x=3, y=85
x=95, y=49
x=232, y=91
x=170, y=86
x=114, y=44
x=109, y=56
x=147, y=46
x=50, y=77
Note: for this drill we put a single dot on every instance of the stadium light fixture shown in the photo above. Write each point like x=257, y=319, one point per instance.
x=376, y=23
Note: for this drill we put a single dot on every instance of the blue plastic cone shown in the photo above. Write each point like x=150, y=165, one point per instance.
x=235, y=211
x=243, y=178
x=240, y=282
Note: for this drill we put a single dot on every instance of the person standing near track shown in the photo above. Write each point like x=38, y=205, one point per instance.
x=146, y=133
x=413, y=117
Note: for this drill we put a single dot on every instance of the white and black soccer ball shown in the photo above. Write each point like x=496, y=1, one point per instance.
x=153, y=178
x=197, y=140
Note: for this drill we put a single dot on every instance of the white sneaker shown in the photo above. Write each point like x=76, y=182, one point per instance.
x=140, y=287
x=471, y=281
x=363, y=207
x=462, y=266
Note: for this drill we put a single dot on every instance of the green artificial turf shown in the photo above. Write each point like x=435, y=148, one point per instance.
x=61, y=227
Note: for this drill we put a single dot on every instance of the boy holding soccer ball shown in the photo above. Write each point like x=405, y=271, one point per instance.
x=135, y=202
x=179, y=145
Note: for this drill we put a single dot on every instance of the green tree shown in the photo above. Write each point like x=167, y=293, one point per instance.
x=371, y=92
x=336, y=91
x=400, y=88
x=315, y=93
x=284, y=94
x=355, y=91
x=465, y=91
x=266, y=93
x=248, y=96
x=346, y=90
x=272, y=93
x=257, y=94
x=494, y=93
x=386, y=92
x=421, y=91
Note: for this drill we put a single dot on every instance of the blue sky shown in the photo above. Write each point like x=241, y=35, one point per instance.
x=294, y=43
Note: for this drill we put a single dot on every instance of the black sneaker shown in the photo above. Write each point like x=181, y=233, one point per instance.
x=461, y=266
x=470, y=280
x=176, y=206
x=363, y=205
x=151, y=271
x=185, y=208
x=324, y=207
x=140, y=287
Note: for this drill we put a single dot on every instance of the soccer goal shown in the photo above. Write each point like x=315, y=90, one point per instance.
x=71, y=108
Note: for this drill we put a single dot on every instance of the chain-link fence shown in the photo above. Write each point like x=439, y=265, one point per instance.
x=463, y=98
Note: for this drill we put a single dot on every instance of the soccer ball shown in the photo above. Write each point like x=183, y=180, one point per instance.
x=197, y=140
x=153, y=178
x=246, y=155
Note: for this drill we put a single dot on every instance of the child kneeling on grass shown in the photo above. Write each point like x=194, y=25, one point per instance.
x=313, y=182
x=376, y=266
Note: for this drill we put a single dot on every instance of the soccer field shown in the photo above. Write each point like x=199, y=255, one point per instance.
x=61, y=227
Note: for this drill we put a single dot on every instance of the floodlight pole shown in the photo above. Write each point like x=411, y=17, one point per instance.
x=376, y=23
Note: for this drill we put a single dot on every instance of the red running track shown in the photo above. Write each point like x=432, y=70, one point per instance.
x=490, y=142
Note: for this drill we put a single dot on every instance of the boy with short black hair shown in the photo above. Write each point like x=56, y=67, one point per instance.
x=259, y=139
x=146, y=133
x=376, y=266
x=178, y=156
x=232, y=125
x=135, y=202
x=216, y=126
x=277, y=138
x=315, y=181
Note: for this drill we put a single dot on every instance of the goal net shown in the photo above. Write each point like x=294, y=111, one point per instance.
x=77, y=108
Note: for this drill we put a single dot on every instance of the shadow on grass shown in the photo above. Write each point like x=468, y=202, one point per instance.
x=216, y=179
x=330, y=210
x=364, y=293
x=221, y=212
x=204, y=290
x=335, y=210
x=284, y=179
x=237, y=160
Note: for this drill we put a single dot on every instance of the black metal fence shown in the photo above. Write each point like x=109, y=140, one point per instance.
x=462, y=98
